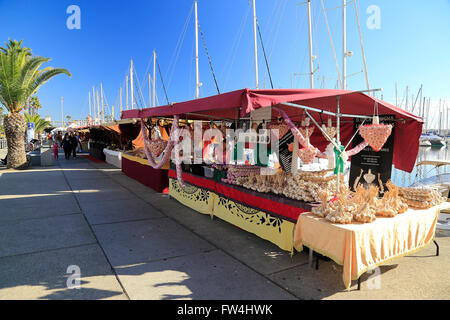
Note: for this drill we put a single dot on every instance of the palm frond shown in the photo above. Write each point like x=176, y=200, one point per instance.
x=44, y=77
x=20, y=76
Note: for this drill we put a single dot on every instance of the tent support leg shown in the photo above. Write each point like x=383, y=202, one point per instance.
x=437, y=248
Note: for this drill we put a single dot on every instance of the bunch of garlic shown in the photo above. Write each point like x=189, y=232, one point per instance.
x=421, y=198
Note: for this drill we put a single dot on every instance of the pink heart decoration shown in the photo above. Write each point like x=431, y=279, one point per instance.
x=281, y=127
x=310, y=130
x=307, y=154
x=375, y=134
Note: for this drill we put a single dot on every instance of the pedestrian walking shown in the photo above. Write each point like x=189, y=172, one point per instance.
x=74, y=143
x=55, y=151
x=67, y=146
x=58, y=139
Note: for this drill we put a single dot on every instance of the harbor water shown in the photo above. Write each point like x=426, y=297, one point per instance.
x=405, y=179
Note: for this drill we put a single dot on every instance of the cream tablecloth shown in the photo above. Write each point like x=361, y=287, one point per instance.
x=359, y=247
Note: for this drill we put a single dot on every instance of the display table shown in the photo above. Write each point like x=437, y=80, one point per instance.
x=140, y=170
x=113, y=157
x=268, y=216
x=359, y=247
x=96, y=150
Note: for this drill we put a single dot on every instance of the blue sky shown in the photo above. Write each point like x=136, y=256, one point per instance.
x=410, y=48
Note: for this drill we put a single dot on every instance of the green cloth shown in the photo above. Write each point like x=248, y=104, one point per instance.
x=219, y=174
x=339, y=168
x=238, y=152
x=258, y=162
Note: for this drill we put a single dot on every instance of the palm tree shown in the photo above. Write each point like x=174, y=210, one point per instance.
x=39, y=123
x=34, y=104
x=20, y=78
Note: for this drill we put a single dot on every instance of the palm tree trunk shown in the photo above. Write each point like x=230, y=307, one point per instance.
x=15, y=128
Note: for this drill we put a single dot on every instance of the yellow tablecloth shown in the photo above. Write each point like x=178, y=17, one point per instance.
x=359, y=247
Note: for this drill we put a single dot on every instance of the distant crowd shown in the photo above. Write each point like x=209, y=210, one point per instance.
x=70, y=143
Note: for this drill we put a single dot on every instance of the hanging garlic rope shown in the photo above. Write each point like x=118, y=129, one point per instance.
x=174, y=141
x=167, y=151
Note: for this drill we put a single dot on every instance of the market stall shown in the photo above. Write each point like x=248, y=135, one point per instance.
x=134, y=160
x=302, y=184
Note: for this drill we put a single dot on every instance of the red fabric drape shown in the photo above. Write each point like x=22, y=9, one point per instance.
x=240, y=103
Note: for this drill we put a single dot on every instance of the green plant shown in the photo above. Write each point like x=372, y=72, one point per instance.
x=20, y=78
x=39, y=123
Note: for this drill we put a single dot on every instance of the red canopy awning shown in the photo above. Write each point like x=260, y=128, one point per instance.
x=240, y=103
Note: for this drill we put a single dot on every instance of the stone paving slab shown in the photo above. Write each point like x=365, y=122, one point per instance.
x=99, y=196
x=143, y=241
x=118, y=211
x=103, y=183
x=210, y=275
x=159, y=249
x=32, y=235
x=52, y=202
x=411, y=277
x=44, y=275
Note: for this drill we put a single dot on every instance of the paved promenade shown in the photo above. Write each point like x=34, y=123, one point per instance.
x=129, y=242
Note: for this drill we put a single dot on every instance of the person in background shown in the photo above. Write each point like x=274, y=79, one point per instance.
x=67, y=146
x=55, y=151
x=77, y=135
x=58, y=139
x=74, y=144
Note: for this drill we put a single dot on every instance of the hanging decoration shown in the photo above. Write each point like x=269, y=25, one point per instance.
x=375, y=134
x=281, y=127
x=307, y=154
x=178, y=136
x=305, y=129
x=357, y=149
x=329, y=129
x=148, y=153
x=157, y=145
x=174, y=141
x=295, y=131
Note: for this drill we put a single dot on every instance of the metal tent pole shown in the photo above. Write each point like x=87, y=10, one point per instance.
x=338, y=137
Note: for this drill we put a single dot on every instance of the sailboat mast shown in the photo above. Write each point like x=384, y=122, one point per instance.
x=131, y=85
x=126, y=80
x=93, y=101
x=62, y=113
x=255, y=45
x=120, y=97
x=98, y=106
x=101, y=99
x=89, y=102
x=149, y=90
x=344, y=44
x=154, y=79
x=311, y=62
x=197, y=75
